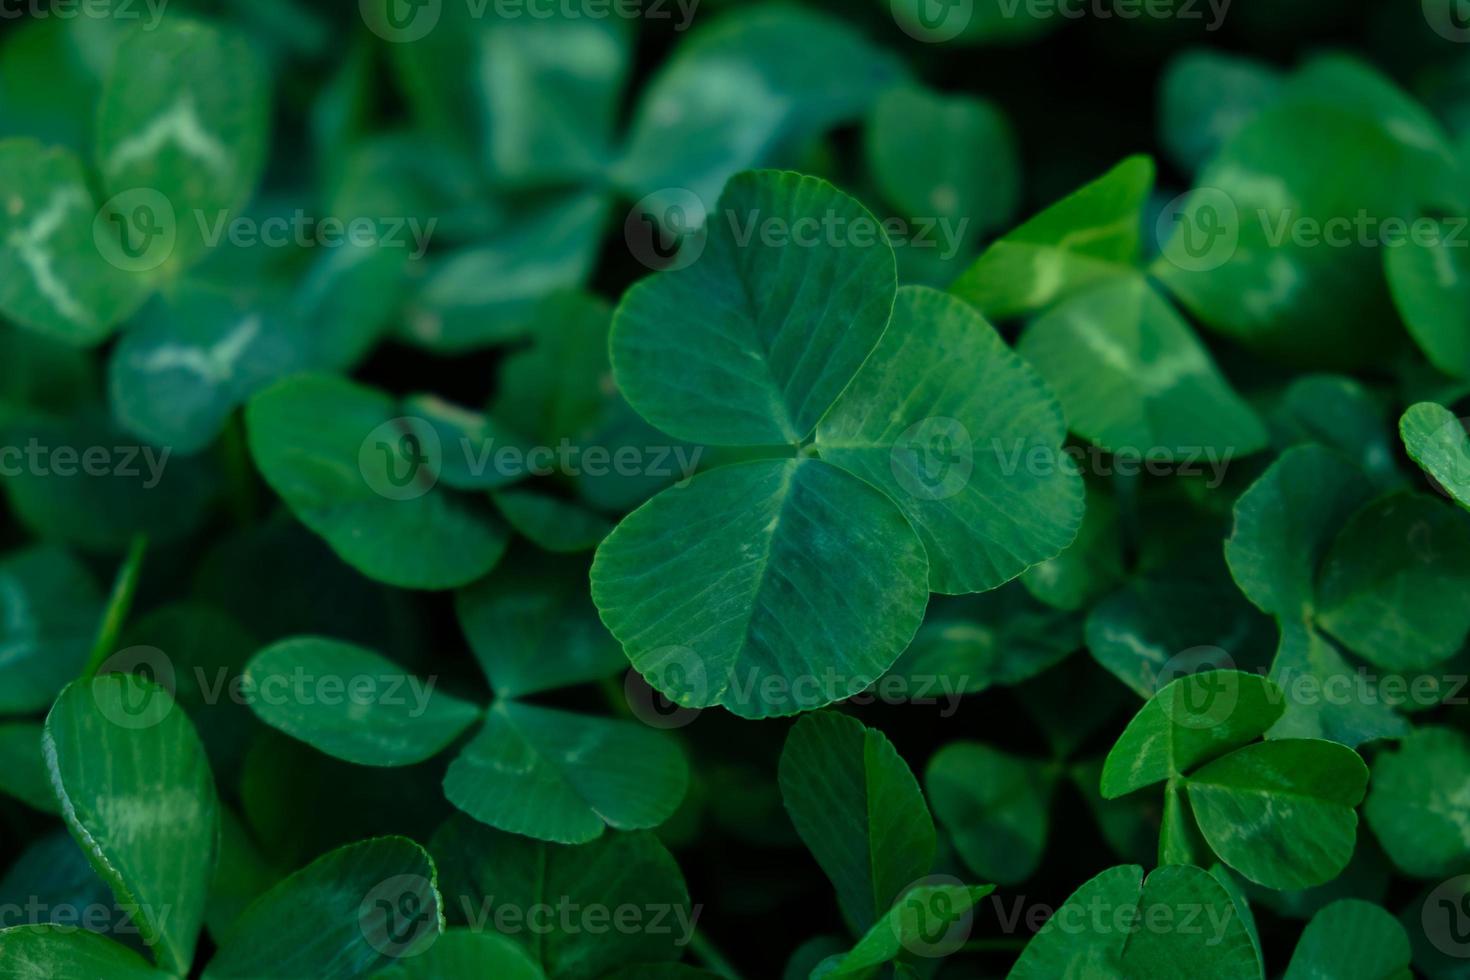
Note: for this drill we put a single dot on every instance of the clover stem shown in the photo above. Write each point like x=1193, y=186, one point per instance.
x=118, y=605
x=712, y=957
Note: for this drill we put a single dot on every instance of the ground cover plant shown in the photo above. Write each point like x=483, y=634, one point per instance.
x=592, y=490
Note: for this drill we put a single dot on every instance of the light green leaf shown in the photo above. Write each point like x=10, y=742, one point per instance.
x=53, y=277
x=552, y=523
x=1088, y=567
x=182, y=128
x=50, y=952
x=1192, y=720
x=994, y=806
x=1132, y=377
x=533, y=628
x=1179, y=921
x=945, y=157
x=1438, y=442
x=49, y=609
x=465, y=954
x=353, y=704
x=1281, y=812
x=1089, y=236
x=753, y=342
x=339, y=917
x=859, y=810
x=1285, y=523
x=191, y=359
x=1326, y=696
x=760, y=78
x=487, y=872
x=797, y=585
x=565, y=777
x=1392, y=586
x=911, y=925
x=1206, y=96
x=333, y=452
x=965, y=438
x=1351, y=940
x=135, y=790
x=1419, y=807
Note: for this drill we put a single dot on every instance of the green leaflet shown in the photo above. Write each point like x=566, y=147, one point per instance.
x=1431, y=288
x=565, y=777
x=996, y=807
x=464, y=953
x=751, y=344
x=342, y=916
x=1087, y=237
x=742, y=89
x=1417, y=807
x=810, y=583
x=1195, y=718
x=365, y=482
x=965, y=438
x=136, y=791
x=859, y=810
x=551, y=523
x=191, y=359
x=494, y=880
x=49, y=610
x=1132, y=377
x=1281, y=812
x=45, y=952
x=948, y=157
x=1099, y=932
x=1206, y=97
x=53, y=278
x=181, y=134
x=1438, y=442
x=353, y=704
x=911, y=925
x=1250, y=251
x=1351, y=940
x=1392, y=586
